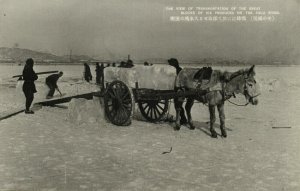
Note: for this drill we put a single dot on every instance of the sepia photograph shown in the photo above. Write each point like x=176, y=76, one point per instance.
x=158, y=95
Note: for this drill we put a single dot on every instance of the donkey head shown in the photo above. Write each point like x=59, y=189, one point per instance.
x=251, y=88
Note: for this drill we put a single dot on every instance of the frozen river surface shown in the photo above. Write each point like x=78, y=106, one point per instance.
x=59, y=149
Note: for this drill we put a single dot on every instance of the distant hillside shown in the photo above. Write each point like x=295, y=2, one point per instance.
x=78, y=58
x=16, y=55
x=20, y=55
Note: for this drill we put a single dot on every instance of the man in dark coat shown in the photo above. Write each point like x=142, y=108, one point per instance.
x=29, y=76
x=122, y=64
x=129, y=64
x=99, y=73
x=174, y=62
x=51, y=82
x=87, y=73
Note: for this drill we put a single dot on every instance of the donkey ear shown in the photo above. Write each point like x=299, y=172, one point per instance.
x=251, y=70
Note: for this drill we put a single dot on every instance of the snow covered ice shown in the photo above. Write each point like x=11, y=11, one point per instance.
x=73, y=147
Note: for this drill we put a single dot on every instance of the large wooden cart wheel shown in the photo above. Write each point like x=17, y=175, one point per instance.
x=118, y=103
x=153, y=110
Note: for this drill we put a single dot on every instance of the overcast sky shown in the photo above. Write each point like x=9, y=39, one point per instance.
x=115, y=28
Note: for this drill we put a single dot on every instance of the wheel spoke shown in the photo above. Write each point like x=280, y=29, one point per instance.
x=122, y=86
x=151, y=112
x=126, y=113
x=115, y=92
x=119, y=90
x=149, y=109
x=110, y=109
x=123, y=113
x=156, y=109
x=160, y=107
x=147, y=106
x=126, y=95
x=116, y=117
x=127, y=106
x=111, y=94
x=120, y=116
x=127, y=101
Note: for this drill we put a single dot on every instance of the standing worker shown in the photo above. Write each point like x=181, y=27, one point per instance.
x=97, y=73
x=87, y=73
x=129, y=64
x=174, y=62
x=29, y=76
x=51, y=82
x=100, y=73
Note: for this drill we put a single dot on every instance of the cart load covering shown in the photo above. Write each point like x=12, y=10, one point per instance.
x=187, y=78
x=151, y=77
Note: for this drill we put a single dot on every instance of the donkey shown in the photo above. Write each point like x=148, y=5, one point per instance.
x=242, y=81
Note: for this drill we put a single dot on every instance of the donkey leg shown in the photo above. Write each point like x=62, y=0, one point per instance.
x=212, y=114
x=178, y=106
x=188, y=107
x=222, y=119
x=183, y=119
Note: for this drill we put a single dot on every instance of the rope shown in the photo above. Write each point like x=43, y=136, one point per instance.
x=238, y=104
x=206, y=104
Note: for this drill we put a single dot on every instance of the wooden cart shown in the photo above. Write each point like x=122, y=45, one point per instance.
x=153, y=104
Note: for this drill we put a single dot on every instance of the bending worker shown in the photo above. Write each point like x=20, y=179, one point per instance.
x=51, y=82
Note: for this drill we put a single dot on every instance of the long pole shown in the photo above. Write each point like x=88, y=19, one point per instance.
x=38, y=73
